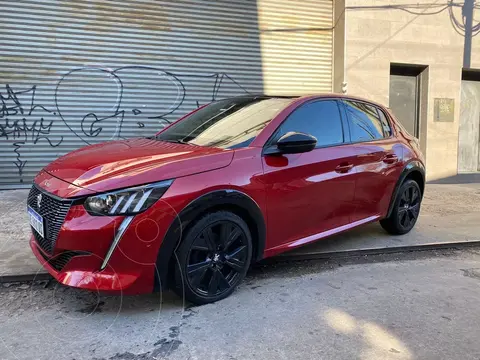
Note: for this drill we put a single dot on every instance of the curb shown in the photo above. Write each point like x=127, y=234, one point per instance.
x=459, y=245
x=25, y=278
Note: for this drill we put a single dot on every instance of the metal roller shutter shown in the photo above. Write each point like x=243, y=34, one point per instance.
x=77, y=72
x=296, y=43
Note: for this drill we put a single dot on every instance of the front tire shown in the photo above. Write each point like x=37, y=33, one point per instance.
x=405, y=209
x=213, y=258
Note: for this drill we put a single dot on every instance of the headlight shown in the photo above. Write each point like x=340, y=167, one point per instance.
x=126, y=202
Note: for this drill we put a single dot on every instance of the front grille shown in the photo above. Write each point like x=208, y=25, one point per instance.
x=59, y=261
x=53, y=211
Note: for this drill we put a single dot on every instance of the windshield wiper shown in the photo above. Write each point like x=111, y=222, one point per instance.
x=177, y=141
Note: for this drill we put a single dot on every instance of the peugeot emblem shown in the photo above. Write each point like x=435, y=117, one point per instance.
x=39, y=200
x=47, y=183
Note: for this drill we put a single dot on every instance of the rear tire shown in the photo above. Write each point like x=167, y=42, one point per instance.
x=213, y=258
x=405, y=209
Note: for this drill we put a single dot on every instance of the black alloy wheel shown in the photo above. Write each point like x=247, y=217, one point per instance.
x=214, y=257
x=405, y=210
x=409, y=206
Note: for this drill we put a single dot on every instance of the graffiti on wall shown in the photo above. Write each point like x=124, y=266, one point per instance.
x=97, y=104
x=22, y=120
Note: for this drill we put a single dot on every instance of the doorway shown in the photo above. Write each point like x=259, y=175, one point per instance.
x=406, y=95
x=469, y=126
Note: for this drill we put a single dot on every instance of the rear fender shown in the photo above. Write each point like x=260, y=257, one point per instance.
x=413, y=166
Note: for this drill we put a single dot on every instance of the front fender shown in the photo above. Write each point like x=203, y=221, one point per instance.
x=226, y=198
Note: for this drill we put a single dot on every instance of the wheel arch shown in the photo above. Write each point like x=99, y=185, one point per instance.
x=414, y=170
x=227, y=199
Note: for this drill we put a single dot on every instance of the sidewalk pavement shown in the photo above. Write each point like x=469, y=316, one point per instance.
x=450, y=213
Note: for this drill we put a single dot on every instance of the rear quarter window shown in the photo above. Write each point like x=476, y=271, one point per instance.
x=387, y=130
x=364, y=121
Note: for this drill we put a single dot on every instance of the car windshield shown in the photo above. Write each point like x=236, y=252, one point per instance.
x=230, y=123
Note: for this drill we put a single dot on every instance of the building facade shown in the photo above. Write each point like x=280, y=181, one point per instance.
x=80, y=72
x=411, y=59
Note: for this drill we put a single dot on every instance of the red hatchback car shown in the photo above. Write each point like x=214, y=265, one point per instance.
x=233, y=182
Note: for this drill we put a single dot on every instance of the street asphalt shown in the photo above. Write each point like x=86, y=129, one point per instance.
x=403, y=306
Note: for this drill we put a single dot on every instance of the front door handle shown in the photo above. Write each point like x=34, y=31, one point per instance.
x=343, y=168
x=390, y=159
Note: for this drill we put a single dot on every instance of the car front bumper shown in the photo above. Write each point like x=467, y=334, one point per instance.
x=84, y=241
x=80, y=272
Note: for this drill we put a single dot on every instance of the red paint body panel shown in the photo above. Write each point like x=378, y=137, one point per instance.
x=375, y=178
x=125, y=163
x=59, y=187
x=302, y=197
x=312, y=238
x=78, y=273
x=306, y=195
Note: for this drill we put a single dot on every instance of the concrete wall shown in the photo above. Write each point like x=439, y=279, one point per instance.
x=377, y=37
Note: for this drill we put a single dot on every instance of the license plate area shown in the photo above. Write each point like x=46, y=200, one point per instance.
x=36, y=221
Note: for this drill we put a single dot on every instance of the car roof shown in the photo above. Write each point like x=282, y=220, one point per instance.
x=342, y=96
x=304, y=98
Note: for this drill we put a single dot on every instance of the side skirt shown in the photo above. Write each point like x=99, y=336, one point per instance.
x=309, y=239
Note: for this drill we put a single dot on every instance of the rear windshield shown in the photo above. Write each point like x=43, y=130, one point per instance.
x=229, y=124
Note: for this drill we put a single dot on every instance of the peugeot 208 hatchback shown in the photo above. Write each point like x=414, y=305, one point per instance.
x=231, y=183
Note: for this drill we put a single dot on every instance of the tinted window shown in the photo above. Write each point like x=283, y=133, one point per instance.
x=229, y=123
x=320, y=119
x=386, y=126
x=365, y=123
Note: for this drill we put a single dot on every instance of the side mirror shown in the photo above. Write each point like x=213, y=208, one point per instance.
x=293, y=143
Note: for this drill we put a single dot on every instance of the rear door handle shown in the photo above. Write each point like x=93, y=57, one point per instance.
x=343, y=168
x=390, y=159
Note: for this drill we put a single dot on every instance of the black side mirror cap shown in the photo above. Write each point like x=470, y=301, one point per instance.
x=292, y=143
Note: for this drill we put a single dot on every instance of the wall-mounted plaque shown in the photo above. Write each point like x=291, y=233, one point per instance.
x=444, y=109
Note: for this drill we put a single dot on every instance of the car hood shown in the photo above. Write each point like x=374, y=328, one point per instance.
x=120, y=164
